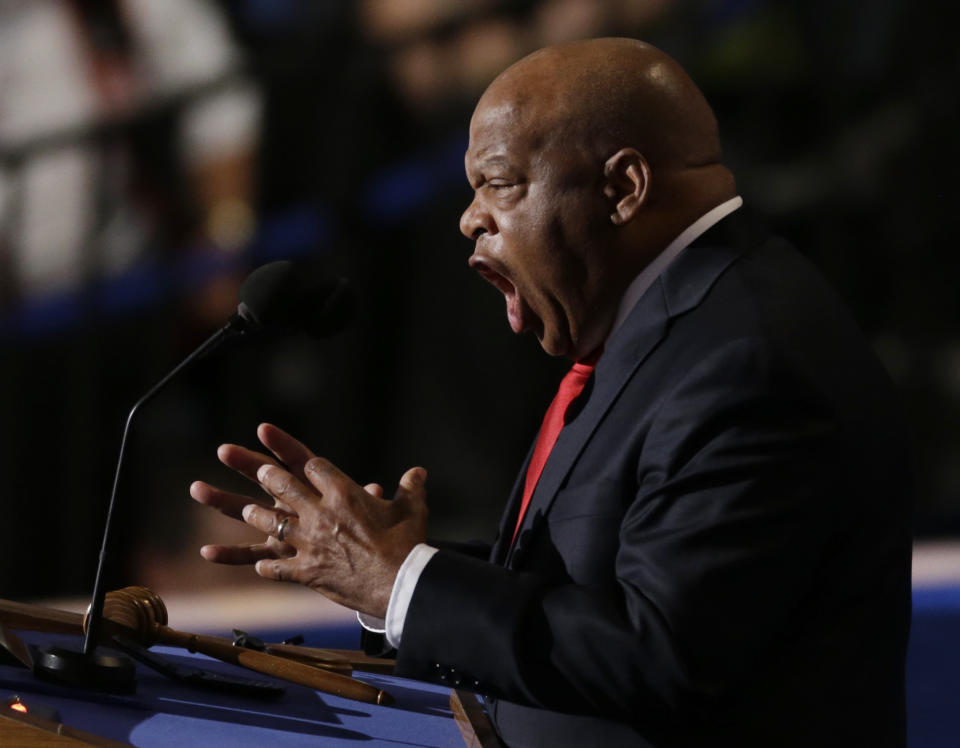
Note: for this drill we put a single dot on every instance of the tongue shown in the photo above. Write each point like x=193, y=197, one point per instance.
x=514, y=312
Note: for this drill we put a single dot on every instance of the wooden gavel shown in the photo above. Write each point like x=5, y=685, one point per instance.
x=139, y=613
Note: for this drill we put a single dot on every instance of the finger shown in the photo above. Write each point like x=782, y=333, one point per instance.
x=244, y=461
x=287, y=490
x=375, y=489
x=229, y=503
x=279, y=569
x=238, y=554
x=413, y=486
x=327, y=478
x=265, y=520
x=281, y=549
x=291, y=452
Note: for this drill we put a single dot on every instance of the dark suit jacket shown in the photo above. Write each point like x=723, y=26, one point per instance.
x=718, y=550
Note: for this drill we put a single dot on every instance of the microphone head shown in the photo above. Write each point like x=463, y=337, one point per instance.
x=295, y=296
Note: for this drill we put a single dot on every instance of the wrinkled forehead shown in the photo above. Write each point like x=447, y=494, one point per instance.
x=508, y=125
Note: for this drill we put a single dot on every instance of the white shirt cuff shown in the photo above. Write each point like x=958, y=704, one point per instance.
x=400, y=596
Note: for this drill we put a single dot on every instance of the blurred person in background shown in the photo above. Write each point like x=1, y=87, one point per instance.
x=443, y=53
x=108, y=109
x=128, y=133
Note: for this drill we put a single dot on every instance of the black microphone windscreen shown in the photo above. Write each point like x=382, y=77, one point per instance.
x=292, y=295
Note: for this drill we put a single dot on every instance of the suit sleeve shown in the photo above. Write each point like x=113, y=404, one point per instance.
x=720, y=542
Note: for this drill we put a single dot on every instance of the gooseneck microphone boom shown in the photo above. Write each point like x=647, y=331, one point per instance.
x=281, y=295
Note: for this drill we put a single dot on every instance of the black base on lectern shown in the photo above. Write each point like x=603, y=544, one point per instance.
x=97, y=672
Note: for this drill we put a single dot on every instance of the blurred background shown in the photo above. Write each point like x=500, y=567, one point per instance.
x=152, y=152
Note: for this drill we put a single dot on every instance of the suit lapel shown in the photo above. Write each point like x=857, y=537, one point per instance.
x=614, y=369
x=509, y=520
x=681, y=287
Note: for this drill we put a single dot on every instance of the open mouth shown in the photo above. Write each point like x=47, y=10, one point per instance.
x=517, y=313
x=499, y=281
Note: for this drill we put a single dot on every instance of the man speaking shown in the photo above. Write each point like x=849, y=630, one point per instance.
x=709, y=542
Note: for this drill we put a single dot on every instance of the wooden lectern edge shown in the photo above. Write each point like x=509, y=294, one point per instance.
x=474, y=725
x=31, y=731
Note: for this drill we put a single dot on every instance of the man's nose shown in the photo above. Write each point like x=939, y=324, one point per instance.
x=475, y=221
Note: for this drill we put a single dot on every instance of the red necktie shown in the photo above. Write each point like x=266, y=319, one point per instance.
x=570, y=388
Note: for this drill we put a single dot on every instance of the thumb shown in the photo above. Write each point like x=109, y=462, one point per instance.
x=413, y=486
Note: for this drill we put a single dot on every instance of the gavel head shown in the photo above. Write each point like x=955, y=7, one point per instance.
x=137, y=609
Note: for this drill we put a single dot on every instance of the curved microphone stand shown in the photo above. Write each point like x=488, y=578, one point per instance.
x=86, y=668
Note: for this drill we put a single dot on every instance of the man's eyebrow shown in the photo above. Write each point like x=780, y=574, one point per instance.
x=496, y=160
x=475, y=166
x=493, y=159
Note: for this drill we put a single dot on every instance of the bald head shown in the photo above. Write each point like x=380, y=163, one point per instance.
x=605, y=94
x=586, y=160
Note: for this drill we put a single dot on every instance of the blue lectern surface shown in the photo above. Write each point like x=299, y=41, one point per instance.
x=163, y=713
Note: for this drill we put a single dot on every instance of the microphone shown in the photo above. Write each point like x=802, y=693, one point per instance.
x=283, y=295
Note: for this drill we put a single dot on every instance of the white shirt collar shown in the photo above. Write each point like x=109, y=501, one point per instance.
x=652, y=271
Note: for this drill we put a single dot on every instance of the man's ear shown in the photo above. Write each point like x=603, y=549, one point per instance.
x=626, y=184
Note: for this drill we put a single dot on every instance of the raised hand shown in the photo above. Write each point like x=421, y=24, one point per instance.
x=288, y=451
x=323, y=530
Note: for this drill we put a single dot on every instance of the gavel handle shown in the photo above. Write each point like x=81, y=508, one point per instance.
x=29, y=617
x=291, y=670
x=334, y=658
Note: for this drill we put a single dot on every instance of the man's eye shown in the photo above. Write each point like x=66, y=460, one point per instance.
x=500, y=185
